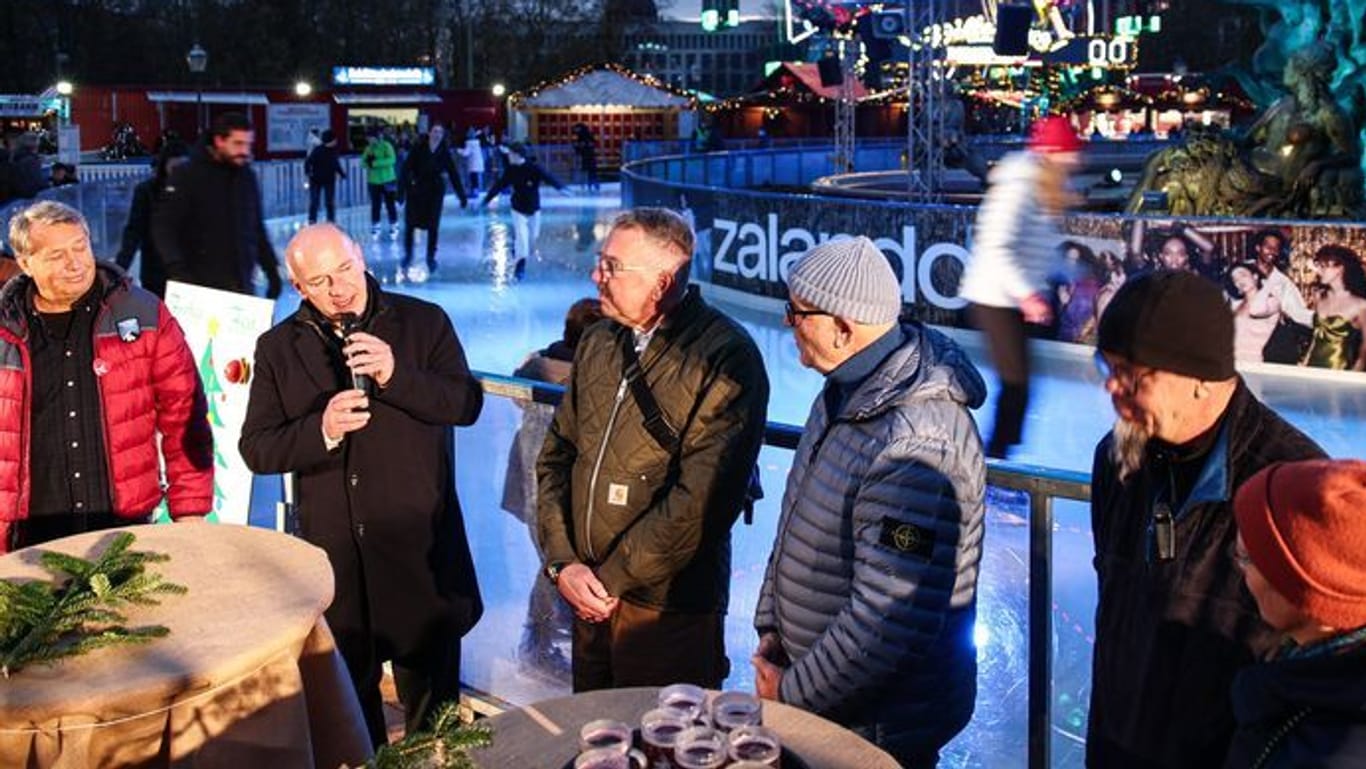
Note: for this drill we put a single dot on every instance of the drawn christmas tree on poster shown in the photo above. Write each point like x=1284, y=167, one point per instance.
x=213, y=390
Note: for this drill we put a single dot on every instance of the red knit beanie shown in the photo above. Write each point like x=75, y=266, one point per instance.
x=1054, y=134
x=1304, y=527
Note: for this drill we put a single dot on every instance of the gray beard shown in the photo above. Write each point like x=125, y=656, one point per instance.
x=1126, y=447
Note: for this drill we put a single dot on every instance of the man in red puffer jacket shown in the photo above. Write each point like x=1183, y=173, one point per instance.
x=92, y=369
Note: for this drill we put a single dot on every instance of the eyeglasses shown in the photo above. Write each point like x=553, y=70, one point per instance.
x=791, y=313
x=1129, y=378
x=610, y=267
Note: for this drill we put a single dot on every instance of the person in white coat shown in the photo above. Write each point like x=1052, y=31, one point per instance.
x=473, y=154
x=1015, y=250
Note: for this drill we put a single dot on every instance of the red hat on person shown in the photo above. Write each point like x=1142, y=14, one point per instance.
x=1054, y=134
x=1304, y=527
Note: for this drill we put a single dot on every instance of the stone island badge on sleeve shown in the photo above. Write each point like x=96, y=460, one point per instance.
x=129, y=329
x=906, y=538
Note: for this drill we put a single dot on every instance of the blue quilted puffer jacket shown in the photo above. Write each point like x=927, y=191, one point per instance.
x=872, y=584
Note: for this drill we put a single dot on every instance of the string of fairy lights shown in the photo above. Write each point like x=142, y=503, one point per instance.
x=1062, y=87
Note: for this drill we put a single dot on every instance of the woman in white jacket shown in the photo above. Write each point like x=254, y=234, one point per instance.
x=1015, y=250
x=473, y=154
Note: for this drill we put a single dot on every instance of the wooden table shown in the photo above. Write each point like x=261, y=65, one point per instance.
x=248, y=677
x=546, y=735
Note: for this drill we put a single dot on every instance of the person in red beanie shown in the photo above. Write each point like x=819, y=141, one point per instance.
x=1016, y=249
x=1302, y=548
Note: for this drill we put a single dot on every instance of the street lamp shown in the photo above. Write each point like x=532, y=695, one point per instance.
x=64, y=90
x=302, y=89
x=498, y=90
x=198, y=61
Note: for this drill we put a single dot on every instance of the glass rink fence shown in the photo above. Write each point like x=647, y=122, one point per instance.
x=105, y=195
x=105, y=191
x=1034, y=618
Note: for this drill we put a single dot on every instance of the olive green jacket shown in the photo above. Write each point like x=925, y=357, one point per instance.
x=655, y=525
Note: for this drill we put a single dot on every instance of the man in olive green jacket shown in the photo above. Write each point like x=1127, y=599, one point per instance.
x=647, y=465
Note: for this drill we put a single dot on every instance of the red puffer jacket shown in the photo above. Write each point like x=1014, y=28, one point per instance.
x=148, y=385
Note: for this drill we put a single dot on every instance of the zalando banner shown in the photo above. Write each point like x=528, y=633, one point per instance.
x=748, y=242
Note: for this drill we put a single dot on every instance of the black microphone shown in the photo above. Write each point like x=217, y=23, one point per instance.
x=350, y=324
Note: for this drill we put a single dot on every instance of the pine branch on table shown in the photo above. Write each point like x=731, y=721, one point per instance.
x=445, y=746
x=43, y=622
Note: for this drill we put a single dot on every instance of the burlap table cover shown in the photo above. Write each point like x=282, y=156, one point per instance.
x=248, y=677
x=546, y=735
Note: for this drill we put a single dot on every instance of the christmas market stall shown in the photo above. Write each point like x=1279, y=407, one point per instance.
x=793, y=101
x=615, y=104
x=1158, y=106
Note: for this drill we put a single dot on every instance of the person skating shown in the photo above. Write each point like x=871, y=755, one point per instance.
x=423, y=192
x=524, y=176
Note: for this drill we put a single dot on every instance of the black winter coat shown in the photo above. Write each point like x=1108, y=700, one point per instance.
x=1306, y=713
x=421, y=186
x=1170, y=635
x=525, y=181
x=137, y=235
x=209, y=230
x=383, y=505
x=322, y=165
x=26, y=174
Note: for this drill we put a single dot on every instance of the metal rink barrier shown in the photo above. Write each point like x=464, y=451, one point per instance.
x=1042, y=485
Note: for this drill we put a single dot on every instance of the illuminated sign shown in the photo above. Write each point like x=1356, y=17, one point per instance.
x=1098, y=52
x=404, y=76
x=1133, y=26
x=27, y=106
x=1103, y=52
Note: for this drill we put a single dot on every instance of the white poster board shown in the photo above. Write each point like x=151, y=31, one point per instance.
x=287, y=125
x=69, y=145
x=221, y=328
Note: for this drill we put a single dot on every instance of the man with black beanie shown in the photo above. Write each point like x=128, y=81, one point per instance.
x=1173, y=622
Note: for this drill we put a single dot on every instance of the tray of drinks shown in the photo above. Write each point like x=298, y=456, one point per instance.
x=656, y=758
x=686, y=731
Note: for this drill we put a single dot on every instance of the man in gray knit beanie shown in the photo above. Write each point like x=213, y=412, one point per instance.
x=843, y=296
x=873, y=579
x=849, y=278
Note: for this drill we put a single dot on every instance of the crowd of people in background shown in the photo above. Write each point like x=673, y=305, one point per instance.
x=21, y=167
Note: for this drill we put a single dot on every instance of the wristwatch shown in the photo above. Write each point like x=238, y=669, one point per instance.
x=552, y=571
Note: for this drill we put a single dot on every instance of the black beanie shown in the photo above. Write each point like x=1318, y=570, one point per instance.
x=1173, y=321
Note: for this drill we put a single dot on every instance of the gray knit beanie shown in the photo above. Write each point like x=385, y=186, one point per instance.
x=848, y=278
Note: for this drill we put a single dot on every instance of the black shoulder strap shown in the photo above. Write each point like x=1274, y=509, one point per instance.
x=656, y=424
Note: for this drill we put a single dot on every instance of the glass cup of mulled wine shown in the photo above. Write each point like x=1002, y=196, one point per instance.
x=700, y=747
x=758, y=744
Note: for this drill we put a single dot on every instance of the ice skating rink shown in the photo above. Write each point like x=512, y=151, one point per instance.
x=499, y=321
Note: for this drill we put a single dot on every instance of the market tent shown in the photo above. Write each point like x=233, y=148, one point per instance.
x=615, y=103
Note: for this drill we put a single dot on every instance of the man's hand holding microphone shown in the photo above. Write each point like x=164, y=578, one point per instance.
x=371, y=361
